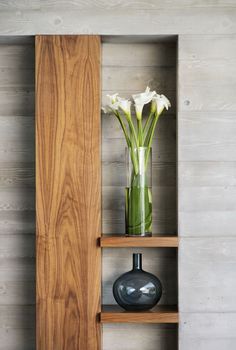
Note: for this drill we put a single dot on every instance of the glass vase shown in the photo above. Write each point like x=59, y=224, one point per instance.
x=137, y=290
x=138, y=193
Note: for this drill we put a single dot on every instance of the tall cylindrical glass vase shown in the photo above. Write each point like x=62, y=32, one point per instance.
x=138, y=204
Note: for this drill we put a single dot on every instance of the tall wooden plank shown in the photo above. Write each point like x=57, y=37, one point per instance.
x=68, y=190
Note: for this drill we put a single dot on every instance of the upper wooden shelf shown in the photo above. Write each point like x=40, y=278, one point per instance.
x=160, y=314
x=121, y=241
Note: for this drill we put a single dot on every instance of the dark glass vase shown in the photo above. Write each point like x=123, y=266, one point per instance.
x=137, y=290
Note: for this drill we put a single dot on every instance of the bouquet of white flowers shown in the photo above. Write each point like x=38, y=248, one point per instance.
x=139, y=137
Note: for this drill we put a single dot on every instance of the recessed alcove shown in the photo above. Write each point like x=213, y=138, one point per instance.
x=129, y=64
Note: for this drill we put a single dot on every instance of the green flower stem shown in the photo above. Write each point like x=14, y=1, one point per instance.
x=124, y=129
x=134, y=160
x=148, y=134
x=153, y=126
x=147, y=122
x=133, y=143
x=129, y=142
x=132, y=129
x=140, y=133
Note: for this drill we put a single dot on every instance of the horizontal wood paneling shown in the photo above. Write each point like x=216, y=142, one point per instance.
x=137, y=4
x=17, y=293
x=207, y=173
x=207, y=223
x=17, y=128
x=213, y=48
x=17, y=222
x=202, y=73
x=156, y=77
x=15, y=57
x=17, y=246
x=113, y=5
x=139, y=55
x=17, y=101
x=17, y=269
x=201, y=331
x=215, y=132
x=17, y=199
x=17, y=316
x=193, y=98
x=148, y=336
x=17, y=327
x=201, y=20
x=195, y=199
x=15, y=175
x=15, y=77
x=19, y=5
x=212, y=286
x=17, y=195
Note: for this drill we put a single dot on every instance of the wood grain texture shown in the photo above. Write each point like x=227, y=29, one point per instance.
x=122, y=21
x=68, y=192
x=145, y=242
x=160, y=314
x=74, y=5
x=136, y=4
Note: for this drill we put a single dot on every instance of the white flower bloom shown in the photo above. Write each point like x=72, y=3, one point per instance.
x=142, y=99
x=113, y=98
x=112, y=105
x=161, y=102
x=124, y=105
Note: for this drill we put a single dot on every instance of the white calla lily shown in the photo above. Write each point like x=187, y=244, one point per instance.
x=113, y=98
x=111, y=108
x=159, y=102
x=142, y=99
x=112, y=105
x=125, y=106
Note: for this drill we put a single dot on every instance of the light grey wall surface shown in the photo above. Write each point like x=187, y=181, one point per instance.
x=206, y=152
x=207, y=193
x=17, y=195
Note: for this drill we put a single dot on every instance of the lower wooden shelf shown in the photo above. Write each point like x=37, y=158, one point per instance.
x=160, y=314
x=121, y=241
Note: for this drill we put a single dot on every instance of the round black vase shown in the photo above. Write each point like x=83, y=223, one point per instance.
x=137, y=290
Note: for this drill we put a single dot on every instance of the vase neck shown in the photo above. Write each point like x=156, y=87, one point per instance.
x=137, y=261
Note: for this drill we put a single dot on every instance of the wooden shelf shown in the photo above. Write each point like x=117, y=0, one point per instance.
x=121, y=241
x=160, y=314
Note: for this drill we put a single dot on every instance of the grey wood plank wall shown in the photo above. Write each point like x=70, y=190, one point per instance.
x=17, y=193
x=206, y=152
x=207, y=194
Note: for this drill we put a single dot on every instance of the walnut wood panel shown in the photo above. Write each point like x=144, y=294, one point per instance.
x=145, y=242
x=161, y=314
x=68, y=192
